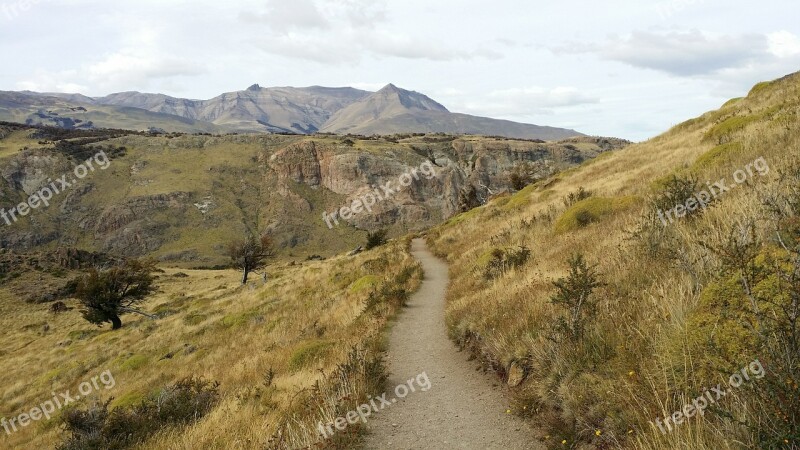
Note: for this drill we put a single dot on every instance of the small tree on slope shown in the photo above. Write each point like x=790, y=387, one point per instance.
x=574, y=293
x=106, y=295
x=250, y=254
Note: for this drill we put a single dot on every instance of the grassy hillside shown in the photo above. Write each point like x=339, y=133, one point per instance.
x=301, y=348
x=678, y=305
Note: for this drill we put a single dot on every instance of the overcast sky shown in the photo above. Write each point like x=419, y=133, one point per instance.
x=627, y=68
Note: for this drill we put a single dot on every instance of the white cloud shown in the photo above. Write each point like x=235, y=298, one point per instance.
x=682, y=53
x=345, y=31
x=733, y=62
x=135, y=66
x=525, y=102
x=140, y=63
x=783, y=44
x=547, y=98
x=401, y=46
x=283, y=16
x=451, y=92
x=43, y=81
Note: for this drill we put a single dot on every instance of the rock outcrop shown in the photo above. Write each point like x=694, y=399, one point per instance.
x=278, y=184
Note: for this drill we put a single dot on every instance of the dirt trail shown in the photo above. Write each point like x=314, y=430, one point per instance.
x=462, y=409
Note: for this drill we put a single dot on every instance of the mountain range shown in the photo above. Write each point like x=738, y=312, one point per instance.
x=256, y=109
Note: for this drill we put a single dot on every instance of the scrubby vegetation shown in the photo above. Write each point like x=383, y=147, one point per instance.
x=98, y=428
x=376, y=238
x=574, y=295
x=652, y=313
x=502, y=260
x=577, y=196
x=590, y=210
x=301, y=348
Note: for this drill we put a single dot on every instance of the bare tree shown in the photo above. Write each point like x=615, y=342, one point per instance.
x=250, y=254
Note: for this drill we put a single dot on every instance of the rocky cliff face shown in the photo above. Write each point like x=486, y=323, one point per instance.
x=463, y=167
x=180, y=198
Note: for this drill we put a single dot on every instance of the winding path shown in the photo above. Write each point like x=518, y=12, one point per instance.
x=462, y=409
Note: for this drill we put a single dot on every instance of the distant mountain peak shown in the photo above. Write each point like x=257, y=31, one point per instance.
x=304, y=110
x=393, y=100
x=390, y=88
x=396, y=110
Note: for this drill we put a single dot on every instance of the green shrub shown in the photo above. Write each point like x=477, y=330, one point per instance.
x=194, y=319
x=721, y=132
x=717, y=155
x=758, y=88
x=309, y=353
x=128, y=400
x=134, y=362
x=761, y=281
x=574, y=294
x=732, y=101
x=574, y=197
x=97, y=428
x=407, y=274
x=392, y=294
x=364, y=282
x=590, y=210
x=235, y=320
x=518, y=200
x=522, y=175
x=674, y=191
x=376, y=239
x=505, y=259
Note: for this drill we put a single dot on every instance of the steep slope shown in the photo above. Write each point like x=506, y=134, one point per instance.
x=385, y=104
x=157, y=103
x=393, y=110
x=288, y=353
x=256, y=109
x=296, y=110
x=688, y=278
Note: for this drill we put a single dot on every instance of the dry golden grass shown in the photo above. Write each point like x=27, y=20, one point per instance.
x=302, y=323
x=639, y=361
x=12, y=143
